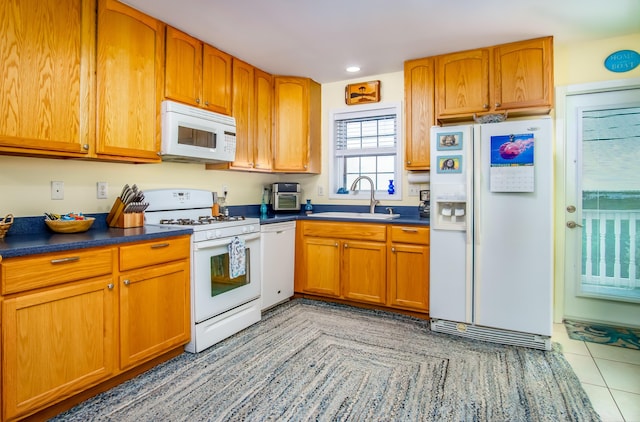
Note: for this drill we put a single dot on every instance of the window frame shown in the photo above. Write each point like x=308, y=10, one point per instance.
x=362, y=111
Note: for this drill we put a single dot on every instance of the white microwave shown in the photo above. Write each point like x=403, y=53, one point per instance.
x=191, y=134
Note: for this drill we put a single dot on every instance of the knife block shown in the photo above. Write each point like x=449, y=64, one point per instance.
x=118, y=218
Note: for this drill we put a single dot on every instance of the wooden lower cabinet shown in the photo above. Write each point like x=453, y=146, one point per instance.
x=364, y=271
x=56, y=343
x=322, y=266
x=377, y=264
x=408, y=279
x=154, y=311
x=84, y=317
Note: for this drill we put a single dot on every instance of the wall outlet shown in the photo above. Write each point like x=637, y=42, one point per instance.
x=102, y=190
x=320, y=191
x=57, y=190
x=414, y=190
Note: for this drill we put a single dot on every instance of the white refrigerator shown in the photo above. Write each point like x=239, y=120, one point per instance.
x=491, y=267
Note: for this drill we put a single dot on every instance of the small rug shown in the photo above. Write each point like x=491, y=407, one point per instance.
x=604, y=334
x=314, y=361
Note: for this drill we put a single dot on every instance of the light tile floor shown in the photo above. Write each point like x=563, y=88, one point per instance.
x=609, y=374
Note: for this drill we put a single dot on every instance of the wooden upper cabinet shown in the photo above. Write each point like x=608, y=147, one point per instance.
x=515, y=77
x=130, y=78
x=197, y=73
x=243, y=97
x=462, y=81
x=263, y=120
x=47, y=100
x=419, y=99
x=296, y=143
x=216, y=80
x=183, y=67
x=523, y=74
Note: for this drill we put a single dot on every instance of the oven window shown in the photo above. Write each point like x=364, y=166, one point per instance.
x=221, y=280
x=196, y=137
x=287, y=202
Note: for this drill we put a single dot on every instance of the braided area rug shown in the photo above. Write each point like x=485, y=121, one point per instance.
x=309, y=360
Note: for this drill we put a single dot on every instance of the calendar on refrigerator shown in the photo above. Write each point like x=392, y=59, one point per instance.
x=512, y=163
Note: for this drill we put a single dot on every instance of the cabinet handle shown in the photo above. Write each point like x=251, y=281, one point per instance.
x=346, y=245
x=127, y=282
x=498, y=104
x=406, y=230
x=206, y=103
x=485, y=106
x=159, y=245
x=110, y=286
x=63, y=260
x=85, y=147
x=336, y=245
x=393, y=249
x=409, y=162
x=197, y=100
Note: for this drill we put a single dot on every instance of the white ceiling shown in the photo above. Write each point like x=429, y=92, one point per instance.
x=320, y=38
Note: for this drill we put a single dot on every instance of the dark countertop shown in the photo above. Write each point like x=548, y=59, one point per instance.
x=30, y=236
x=408, y=215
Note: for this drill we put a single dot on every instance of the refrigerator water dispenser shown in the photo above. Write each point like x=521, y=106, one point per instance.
x=450, y=215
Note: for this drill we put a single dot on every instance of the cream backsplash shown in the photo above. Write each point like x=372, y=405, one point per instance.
x=25, y=183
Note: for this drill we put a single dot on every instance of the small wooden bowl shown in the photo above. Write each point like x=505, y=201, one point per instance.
x=70, y=226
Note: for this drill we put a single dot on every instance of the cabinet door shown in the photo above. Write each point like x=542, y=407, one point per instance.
x=154, y=311
x=130, y=83
x=364, y=271
x=243, y=74
x=462, y=83
x=409, y=277
x=47, y=77
x=56, y=343
x=321, y=266
x=216, y=80
x=419, y=98
x=523, y=74
x=291, y=124
x=263, y=120
x=183, y=67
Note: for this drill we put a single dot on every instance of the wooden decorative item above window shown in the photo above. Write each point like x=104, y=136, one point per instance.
x=362, y=93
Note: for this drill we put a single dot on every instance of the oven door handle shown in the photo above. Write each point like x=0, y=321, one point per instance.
x=208, y=244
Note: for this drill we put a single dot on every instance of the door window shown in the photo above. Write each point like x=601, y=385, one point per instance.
x=610, y=190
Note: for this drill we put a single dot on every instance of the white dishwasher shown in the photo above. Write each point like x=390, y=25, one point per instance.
x=277, y=249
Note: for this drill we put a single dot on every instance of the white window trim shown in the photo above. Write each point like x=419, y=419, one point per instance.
x=364, y=111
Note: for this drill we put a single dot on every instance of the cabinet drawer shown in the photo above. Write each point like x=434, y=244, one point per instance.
x=31, y=272
x=372, y=232
x=152, y=253
x=409, y=234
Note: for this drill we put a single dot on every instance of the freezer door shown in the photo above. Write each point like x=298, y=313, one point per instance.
x=513, y=233
x=451, y=254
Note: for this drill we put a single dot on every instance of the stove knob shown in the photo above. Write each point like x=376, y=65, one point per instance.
x=252, y=228
x=218, y=233
x=210, y=235
x=244, y=229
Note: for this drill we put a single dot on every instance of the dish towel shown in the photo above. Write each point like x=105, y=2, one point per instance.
x=237, y=258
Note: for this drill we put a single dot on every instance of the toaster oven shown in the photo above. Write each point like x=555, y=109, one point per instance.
x=285, y=196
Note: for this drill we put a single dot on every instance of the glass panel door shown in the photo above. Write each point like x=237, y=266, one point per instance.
x=602, y=207
x=610, y=185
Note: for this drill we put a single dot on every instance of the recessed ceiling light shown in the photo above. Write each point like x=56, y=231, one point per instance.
x=353, y=69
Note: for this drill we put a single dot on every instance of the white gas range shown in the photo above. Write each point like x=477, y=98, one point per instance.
x=225, y=283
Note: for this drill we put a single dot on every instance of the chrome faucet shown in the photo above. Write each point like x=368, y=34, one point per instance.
x=373, y=202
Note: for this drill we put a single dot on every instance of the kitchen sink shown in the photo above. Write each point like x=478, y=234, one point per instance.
x=354, y=215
